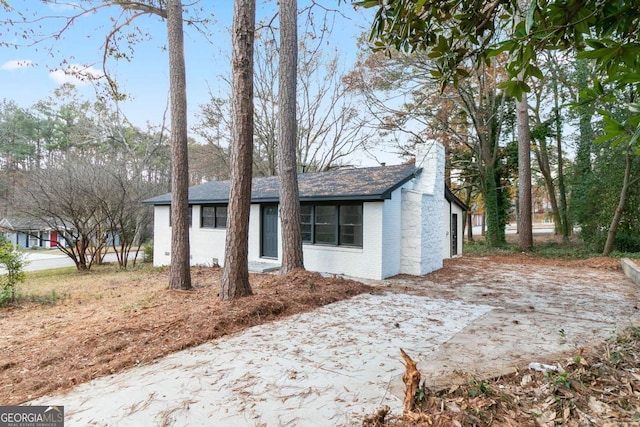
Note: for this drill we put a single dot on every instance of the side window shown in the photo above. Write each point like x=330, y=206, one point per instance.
x=207, y=216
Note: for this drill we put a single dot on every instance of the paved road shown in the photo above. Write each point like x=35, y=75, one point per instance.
x=36, y=261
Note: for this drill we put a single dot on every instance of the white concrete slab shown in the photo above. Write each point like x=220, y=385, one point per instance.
x=328, y=367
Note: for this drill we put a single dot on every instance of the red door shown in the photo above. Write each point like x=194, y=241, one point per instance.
x=53, y=240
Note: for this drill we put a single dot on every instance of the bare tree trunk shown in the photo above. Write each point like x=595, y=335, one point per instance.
x=179, y=273
x=235, y=276
x=565, y=227
x=624, y=194
x=289, y=194
x=525, y=227
x=542, y=156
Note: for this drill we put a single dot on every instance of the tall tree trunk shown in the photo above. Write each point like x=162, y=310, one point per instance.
x=235, y=276
x=565, y=227
x=179, y=273
x=289, y=193
x=494, y=235
x=468, y=217
x=542, y=156
x=524, y=175
x=624, y=194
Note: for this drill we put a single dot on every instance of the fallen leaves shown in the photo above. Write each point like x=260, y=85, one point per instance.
x=599, y=386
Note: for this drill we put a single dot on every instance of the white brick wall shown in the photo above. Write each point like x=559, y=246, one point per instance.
x=161, y=236
x=392, y=234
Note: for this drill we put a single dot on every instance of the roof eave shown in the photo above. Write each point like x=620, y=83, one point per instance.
x=448, y=194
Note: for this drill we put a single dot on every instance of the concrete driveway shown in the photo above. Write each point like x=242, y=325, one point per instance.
x=334, y=365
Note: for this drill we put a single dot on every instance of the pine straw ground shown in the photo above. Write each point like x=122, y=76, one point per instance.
x=109, y=321
x=599, y=386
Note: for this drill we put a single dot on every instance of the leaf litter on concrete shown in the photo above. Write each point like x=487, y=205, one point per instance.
x=598, y=386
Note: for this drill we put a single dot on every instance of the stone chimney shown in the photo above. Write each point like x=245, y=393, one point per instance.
x=424, y=214
x=430, y=157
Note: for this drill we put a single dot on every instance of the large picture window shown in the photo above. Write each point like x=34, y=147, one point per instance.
x=332, y=224
x=213, y=216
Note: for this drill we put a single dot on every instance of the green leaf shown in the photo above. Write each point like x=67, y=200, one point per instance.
x=462, y=72
x=595, y=44
x=534, y=71
x=515, y=88
x=633, y=121
x=530, y=15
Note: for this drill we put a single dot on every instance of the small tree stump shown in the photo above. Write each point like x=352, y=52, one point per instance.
x=411, y=379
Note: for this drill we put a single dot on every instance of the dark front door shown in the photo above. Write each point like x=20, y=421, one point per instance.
x=454, y=234
x=269, y=231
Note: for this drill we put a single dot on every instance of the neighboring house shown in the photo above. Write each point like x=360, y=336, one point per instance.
x=28, y=233
x=370, y=222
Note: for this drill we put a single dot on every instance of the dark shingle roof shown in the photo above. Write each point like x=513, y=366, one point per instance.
x=375, y=183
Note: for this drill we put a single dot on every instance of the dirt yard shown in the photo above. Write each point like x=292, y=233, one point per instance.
x=542, y=311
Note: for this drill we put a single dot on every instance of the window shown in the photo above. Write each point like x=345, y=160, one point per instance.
x=208, y=217
x=213, y=216
x=332, y=224
x=306, y=223
x=325, y=224
x=221, y=217
x=189, y=215
x=350, y=231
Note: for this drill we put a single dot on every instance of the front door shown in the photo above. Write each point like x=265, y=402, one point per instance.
x=269, y=241
x=53, y=239
x=454, y=234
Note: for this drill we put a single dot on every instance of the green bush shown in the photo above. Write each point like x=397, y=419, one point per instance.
x=13, y=263
x=147, y=255
x=627, y=243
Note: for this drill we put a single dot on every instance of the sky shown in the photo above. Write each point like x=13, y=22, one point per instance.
x=29, y=73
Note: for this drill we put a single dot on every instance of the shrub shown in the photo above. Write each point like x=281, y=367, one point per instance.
x=627, y=243
x=13, y=263
x=147, y=255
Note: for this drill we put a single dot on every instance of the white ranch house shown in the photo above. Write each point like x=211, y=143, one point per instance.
x=370, y=222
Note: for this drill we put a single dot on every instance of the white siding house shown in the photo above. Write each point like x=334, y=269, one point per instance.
x=370, y=222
